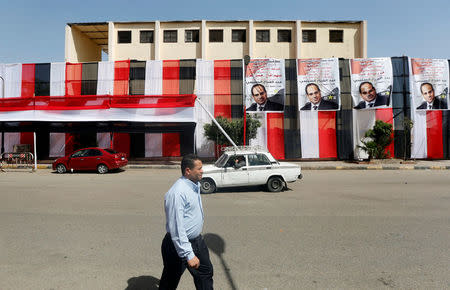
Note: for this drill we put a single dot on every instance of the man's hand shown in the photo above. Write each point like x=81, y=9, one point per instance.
x=194, y=262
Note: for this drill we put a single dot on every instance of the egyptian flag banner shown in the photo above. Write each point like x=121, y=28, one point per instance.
x=371, y=87
x=270, y=135
x=319, y=98
x=429, y=83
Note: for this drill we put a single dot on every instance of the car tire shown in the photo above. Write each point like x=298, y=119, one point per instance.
x=102, y=169
x=275, y=184
x=60, y=168
x=207, y=186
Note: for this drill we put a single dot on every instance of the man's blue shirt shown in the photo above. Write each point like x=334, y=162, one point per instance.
x=184, y=215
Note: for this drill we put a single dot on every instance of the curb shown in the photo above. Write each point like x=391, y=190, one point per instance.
x=303, y=167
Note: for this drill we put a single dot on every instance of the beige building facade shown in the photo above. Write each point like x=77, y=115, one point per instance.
x=206, y=39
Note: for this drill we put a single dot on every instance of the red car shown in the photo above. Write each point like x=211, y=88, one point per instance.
x=100, y=159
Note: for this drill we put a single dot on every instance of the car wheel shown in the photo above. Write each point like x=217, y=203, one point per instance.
x=102, y=168
x=60, y=168
x=207, y=186
x=275, y=184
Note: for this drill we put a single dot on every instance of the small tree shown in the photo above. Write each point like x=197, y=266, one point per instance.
x=234, y=129
x=377, y=139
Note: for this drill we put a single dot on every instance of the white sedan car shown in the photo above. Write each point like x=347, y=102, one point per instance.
x=247, y=167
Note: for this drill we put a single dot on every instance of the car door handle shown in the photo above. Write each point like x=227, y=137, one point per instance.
x=269, y=167
x=98, y=158
x=243, y=169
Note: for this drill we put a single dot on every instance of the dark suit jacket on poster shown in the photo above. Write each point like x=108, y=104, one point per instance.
x=324, y=105
x=381, y=100
x=270, y=106
x=437, y=104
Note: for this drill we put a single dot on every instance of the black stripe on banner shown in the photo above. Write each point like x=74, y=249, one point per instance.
x=137, y=77
x=187, y=76
x=89, y=78
x=344, y=117
x=42, y=79
x=292, y=144
x=236, y=87
x=446, y=133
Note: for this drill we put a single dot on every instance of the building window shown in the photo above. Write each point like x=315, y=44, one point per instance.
x=192, y=35
x=146, y=36
x=238, y=35
x=170, y=36
x=336, y=35
x=308, y=36
x=284, y=35
x=215, y=35
x=124, y=36
x=262, y=36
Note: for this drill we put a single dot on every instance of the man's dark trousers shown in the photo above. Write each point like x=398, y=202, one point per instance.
x=174, y=266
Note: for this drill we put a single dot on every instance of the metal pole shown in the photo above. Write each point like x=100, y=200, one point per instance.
x=35, y=151
x=215, y=122
x=3, y=133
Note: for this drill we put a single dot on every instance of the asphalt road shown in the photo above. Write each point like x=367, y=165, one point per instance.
x=333, y=229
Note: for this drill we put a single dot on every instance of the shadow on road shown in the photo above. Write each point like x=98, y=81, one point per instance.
x=143, y=283
x=216, y=244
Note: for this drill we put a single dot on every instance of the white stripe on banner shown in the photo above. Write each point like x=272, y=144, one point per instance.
x=363, y=120
x=153, y=145
x=261, y=133
x=2, y=74
x=153, y=77
x=104, y=140
x=12, y=77
x=419, y=134
x=309, y=137
x=57, y=144
x=57, y=79
x=105, y=78
x=205, y=93
x=183, y=114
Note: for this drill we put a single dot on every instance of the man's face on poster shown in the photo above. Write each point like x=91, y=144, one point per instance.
x=368, y=92
x=314, y=94
x=427, y=93
x=259, y=94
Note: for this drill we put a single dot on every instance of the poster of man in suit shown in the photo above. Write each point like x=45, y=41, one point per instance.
x=429, y=83
x=264, y=85
x=318, y=84
x=371, y=83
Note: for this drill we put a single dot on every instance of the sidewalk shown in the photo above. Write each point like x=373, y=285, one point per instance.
x=387, y=164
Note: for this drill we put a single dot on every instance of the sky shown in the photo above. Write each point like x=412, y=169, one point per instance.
x=34, y=31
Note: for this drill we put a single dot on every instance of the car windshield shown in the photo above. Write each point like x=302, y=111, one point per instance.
x=109, y=150
x=221, y=161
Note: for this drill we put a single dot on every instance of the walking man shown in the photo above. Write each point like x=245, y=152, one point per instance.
x=183, y=245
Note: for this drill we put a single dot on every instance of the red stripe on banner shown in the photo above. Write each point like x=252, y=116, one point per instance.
x=170, y=144
x=435, y=146
x=121, y=77
x=171, y=76
x=78, y=102
x=164, y=101
x=386, y=115
x=16, y=104
x=28, y=80
x=275, y=134
x=327, y=134
x=222, y=88
x=121, y=143
x=27, y=138
x=68, y=148
x=73, y=78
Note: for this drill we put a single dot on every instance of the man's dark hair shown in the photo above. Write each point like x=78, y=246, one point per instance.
x=311, y=84
x=363, y=83
x=188, y=161
x=426, y=84
x=258, y=85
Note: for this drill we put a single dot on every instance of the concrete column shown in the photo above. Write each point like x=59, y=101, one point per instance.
x=251, y=38
x=204, y=40
x=68, y=45
x=363, y=39
x=112, y=40
x=298, y=39
x=157, y=40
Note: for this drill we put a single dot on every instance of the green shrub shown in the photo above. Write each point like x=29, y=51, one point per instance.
x=234, y=129
x=377, y=139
